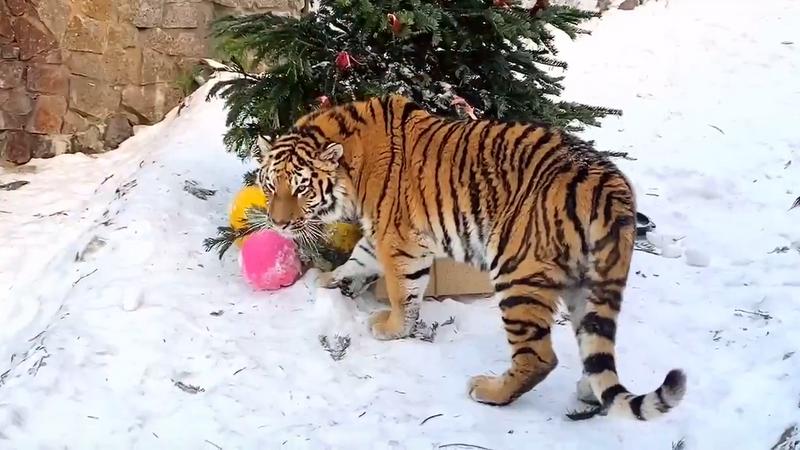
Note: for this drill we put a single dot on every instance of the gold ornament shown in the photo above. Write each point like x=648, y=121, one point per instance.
x=249, y=197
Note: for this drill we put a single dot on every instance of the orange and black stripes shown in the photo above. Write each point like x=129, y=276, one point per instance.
x=539, y=209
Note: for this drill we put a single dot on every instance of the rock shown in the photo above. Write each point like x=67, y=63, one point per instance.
x=151, y=102
x=9, y=51
x=88, y=141
x=10, y=121
x=230, y=3
x=17, y=101
x=54, y=15
x=16, y=7
x=96, y=9
x=175, y=42
x=48, y=79
x=186, y=15
x=92, y=97
x=6, y=28
x=157, y=67
x=47, y=115
x=121, y=35
x=628, y=5
x=86, y=35
x=17, y=147
x=11, y=74
x=87, y=64
x=124, y=66
x=74, y=123
x=117, y=66
x=117, y=130
x=148, y=14
x=270, y=4
x=32, y=37
x=50, y=146
x=54, y=57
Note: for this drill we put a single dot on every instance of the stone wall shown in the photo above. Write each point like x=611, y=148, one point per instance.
x=77, y=75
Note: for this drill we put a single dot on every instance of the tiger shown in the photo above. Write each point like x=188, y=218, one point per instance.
x=546, y=215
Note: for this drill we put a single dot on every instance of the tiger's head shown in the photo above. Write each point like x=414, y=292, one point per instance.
x=299, y=175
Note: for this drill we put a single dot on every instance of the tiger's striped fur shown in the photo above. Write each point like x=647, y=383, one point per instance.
x=538, y=209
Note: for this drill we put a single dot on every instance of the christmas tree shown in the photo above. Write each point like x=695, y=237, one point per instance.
x=476, y=57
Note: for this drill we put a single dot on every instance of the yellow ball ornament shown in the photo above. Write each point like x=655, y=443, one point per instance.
x=249, y=197
x=344, y=236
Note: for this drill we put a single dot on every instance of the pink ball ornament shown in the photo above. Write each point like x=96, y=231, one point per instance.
x=269, y=261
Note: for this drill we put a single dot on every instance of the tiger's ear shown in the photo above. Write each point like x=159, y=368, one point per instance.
x=332, y=152
x=261, y=149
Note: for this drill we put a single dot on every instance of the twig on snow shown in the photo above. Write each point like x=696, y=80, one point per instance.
x=237, y=372
x=680, y=445
x=428, y=333
x=757, y=313
x=192, y=187
x=215, y=445
x=430, y=417
x=13, y=186
x=795, y=204
x=459, y=444
x=188, y=388
x=716, y=128
x=82, y=277
x=339, y=349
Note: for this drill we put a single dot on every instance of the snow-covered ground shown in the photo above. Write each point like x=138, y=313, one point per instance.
x=118, y=332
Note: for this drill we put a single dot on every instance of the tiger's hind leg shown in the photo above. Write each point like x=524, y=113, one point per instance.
x=357, y=274
x=575, y=301
x=528, y=300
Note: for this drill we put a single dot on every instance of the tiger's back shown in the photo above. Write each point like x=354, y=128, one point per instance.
x=538, y=209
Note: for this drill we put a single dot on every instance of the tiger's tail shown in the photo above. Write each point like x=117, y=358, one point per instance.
x=611, y=237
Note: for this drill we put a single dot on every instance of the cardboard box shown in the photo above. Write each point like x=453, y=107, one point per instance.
x=449, y=279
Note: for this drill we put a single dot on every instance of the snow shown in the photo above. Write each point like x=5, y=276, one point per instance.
x=118, y=331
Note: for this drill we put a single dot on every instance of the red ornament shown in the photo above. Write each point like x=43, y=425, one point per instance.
x=324, y=101
x=344, y=61
x=501, y=3
x=462, y=104
x=394, y=23
x=540, y=5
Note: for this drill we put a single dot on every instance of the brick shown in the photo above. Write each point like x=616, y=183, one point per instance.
x=148, y=14
x=175, y=42
x=48, y=79
x=10, y=121
x=47, y=115
x=117, y=130
x=9, y=51
x=16, y=7
x=86, y=35
x=32, y=37
x=17, y=147
x=158, y=67
x=186, y=15
x=121, y=35
x=151, y=102
x=12, y=74
x=16, y=101
x=96, y=9
x=93, y=98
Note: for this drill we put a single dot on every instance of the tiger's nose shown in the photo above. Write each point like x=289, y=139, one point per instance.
x=280, y=221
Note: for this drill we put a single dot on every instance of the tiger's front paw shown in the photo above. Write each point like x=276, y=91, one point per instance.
x=386, y=327
x=327, y=280
x=489, y=390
